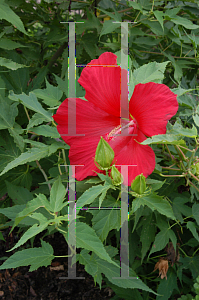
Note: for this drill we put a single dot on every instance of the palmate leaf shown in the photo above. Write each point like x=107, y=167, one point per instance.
x=57, y=195
x=180, y=208
x=32, y=103
x=164, y=139
x=195, y=212
x=8, y=113
x=11, y=212
x=31, y=206
x=112, y=272
x=50, y=96
x=154, y=202
x=191, y=263
x=89, y=195
x=35, y=257
x=159, y=16
x=86, y=238
x=9, y=44
x=8, y=149
x=90, y=266
x=34, y=230
x=151, y=72
x=192, y=227
x=10, y=64
x=19, y=176
x=18, y=194
x=36, y=119
x=15, y=132
x=32, y=155
x=106, y=220
x=166, y=287
x=109, y=27
x=147, y=233
x=162, y=239
x=8, y=14
x=46, y=130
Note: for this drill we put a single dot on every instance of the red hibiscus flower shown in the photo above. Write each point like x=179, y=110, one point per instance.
x=150, y=108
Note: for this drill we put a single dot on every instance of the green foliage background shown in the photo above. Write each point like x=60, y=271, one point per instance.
x=163, y=48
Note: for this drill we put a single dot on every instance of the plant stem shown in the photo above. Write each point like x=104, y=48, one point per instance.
x=44, y=174
x=26, y=111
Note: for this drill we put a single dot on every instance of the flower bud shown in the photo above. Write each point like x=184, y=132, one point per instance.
x=138, y=185
x=104, y=155
x=116, y=176
x=197, y=169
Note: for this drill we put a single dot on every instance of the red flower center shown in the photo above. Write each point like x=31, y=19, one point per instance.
x=129, y=127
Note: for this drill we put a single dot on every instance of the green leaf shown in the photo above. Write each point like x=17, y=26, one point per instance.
x=136, y=5
x=50, y=96
x=154, y=202
x=8, y=149
x=18, y=194
x=91, y=266
x=46, y=130
x=106, y=220
x=195, y=212
x=172, y=136
x=115, y=16
x=1, y=237
x=154, y=184
x=11, y=212
x=86, y=238
x=159, y=16
x=191, y=263
x=31, y=206
x=8, y=113
x=192, y=227
x=62, y=84
x=151, y=72
x=161, y=239
x=196, y=119
x=96, y=266
x=35, y=257
x=15, y=132
x=164, y=139
x=147, y=234
x=109, y=27
x=179, y=208
x=8, y=14
x=32, y=155
x=57, y=195
x=34, y=230
x=113, y=275
x=36, y=119
x=89, y=195
x=10, y=64
x=178, y=129
x=9, y=44
x=181, y=21
x=19, y=176
x=32, y=103
x=166, y=287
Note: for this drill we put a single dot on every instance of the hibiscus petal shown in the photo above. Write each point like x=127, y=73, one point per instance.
x=93, y=123
x=132, y=153
x=102, y=83
x=152, y=105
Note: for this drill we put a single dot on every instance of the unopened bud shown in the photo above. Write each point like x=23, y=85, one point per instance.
x=138, y=185
x=104, y=155
x=116, y=176
x=197, y=169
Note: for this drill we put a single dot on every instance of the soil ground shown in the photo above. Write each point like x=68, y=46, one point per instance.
x=45, y=283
